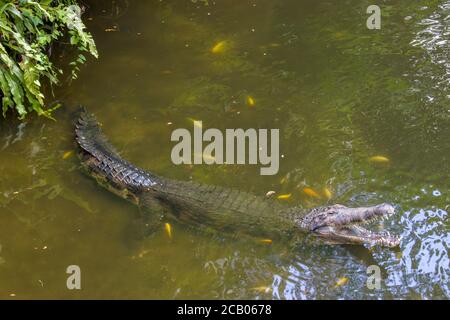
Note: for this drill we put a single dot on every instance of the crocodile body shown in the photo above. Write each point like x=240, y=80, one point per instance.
x=225, y=210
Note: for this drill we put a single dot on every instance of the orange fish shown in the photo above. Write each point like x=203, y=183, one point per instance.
x=310, y=192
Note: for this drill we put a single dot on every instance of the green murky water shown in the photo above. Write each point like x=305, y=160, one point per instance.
x=338, y=92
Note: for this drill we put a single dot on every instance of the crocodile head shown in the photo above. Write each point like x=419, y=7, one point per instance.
x=340, y=224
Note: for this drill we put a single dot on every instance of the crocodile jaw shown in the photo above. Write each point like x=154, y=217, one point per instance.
x=340, y=224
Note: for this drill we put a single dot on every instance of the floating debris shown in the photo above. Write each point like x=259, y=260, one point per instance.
x=168, y=229
x=250, y=101
x=327, y=193
x=310, y=192
x=270, y=193
x=219, y=47
x=341, y=282
x=284, y=196
x=379, y=159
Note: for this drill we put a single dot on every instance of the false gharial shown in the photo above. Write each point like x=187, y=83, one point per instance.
x=224, y=210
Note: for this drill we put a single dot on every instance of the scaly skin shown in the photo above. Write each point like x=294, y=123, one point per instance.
x=222, y=209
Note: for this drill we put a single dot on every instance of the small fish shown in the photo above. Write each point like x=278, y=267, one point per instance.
x=262, y=289
x=168, y=229
x=310, y=192
x=67, y=155
x=110, y=30
x=219, y=47
x=284, y=196
x=328, y=194
x=250, y=101
x=341, y=282
x=266, y=241
x=379, y=159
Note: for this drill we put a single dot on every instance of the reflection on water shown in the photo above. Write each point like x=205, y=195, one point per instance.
x=339, y=94
x=434, y=37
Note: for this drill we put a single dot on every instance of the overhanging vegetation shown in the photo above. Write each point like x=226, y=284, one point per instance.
x=27, y=31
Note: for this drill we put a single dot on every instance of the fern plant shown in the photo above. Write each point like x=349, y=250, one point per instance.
x=27, y=29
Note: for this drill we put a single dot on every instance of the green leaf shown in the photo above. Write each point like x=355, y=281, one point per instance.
x=27, y=28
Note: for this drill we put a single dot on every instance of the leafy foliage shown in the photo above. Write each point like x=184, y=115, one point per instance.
x=27, y=29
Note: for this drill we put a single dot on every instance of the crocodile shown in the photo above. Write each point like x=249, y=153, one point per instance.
x=225, y=210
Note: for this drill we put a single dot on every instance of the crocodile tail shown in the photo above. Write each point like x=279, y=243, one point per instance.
x=103, y=161
x=91, y=138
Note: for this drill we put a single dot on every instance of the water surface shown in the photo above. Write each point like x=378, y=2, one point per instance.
x=338, y=92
